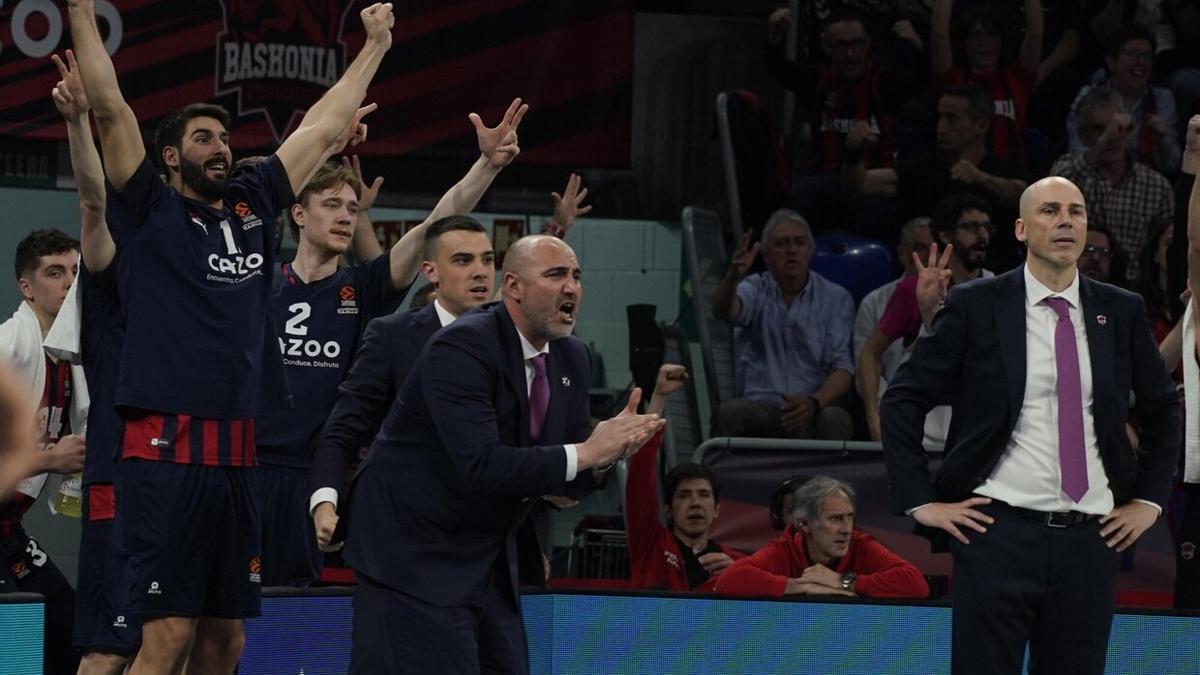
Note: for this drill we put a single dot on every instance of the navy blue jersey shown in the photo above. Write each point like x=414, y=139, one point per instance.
x=318, y=327
x=194, y=283
x=103, y=327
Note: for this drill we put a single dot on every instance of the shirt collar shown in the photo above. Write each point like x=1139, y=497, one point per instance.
x=1036, y=291
x=443, y=314
x=528, y=351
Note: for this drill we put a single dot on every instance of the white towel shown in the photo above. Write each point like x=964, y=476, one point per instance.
x=1191, y=397
x=22, y=348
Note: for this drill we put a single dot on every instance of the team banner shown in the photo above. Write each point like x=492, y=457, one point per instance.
x=267, y=62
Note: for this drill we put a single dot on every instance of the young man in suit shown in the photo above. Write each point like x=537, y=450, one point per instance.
x=493, y=415
x=1039, y=489
x=458, y=257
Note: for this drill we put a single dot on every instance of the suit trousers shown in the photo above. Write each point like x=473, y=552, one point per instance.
x=397, y=633
x=1024, y=582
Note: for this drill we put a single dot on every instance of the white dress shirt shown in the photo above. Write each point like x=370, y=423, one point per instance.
x=529, y=351
x=1028, y=474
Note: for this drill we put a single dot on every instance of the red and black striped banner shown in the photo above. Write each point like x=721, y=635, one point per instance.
x=268, y=61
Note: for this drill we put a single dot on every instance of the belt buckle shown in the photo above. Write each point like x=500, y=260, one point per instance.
x=1059, y=519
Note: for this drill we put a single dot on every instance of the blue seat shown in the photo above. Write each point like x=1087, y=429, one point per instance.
x=858, y=264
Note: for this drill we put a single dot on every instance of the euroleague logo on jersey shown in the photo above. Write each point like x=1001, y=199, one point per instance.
x=249, y=220
x=256, y=570
x=349, y=300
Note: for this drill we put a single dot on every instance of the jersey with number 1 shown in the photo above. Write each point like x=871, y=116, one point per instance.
x=318, y=326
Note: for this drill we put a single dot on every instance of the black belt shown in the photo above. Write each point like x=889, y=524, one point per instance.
x=1048, y=518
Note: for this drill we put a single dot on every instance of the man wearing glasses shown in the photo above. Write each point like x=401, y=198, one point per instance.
x=1101, y=260
x=962, y=226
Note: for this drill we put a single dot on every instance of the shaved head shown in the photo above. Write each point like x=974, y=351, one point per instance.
x=520, y=255
x=542, y=288
x=1031, y=197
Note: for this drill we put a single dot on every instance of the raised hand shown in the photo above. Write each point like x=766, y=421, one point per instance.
x=569, y=205
x=1191, y=147
x=964, y=171
x=860, y=136
x=369, y=192
x=378, y=20
x=778, y=24
x=69, y=95
x=499, y=143
x=904, y=30
x=933, y=281
x=744, y=254
x=671, y=377
x=354, y=133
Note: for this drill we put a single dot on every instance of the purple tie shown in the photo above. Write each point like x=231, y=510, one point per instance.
x=539, y=397
x=1070, y=403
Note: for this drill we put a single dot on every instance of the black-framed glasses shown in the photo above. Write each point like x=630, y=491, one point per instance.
x=1092, y=249
x=976, y=226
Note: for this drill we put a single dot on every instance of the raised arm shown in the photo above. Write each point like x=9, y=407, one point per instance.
x=725, y=302
x=498, y=147
x=1030, y=56
x=96, y=243
x=303, y=149
x=1191, y=165
x=120, y=137
x=567, y=207
x=941, y=53
x=870, y=369
x=366, y=243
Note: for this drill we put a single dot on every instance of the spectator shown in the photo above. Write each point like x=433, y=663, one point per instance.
x=1153, y=136
x=851, y=87
x=915, y=238
x=780, y=507
x=1152, y=284
x=975, y=54
x=889, y=22
x=680, y=556
x=823, y=554
x=46, y=265
x=1101, y=259
x=962, y=226
x=961, y=163
x=1126, y=198
x=1174, y=25
x=792, y=344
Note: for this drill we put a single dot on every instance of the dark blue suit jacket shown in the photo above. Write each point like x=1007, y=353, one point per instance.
x=975, y=356
x=390, y=346
x=453, y=473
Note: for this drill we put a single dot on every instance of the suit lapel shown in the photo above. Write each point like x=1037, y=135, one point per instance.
x=1010, y=326
x=554, y=428
x=425, y=324
x=1099, y=339
x=514, y=366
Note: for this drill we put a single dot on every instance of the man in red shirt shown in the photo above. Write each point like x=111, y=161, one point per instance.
x=680, y=556
x=822, y=554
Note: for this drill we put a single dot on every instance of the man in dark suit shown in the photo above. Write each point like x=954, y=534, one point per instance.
x=493, y=415
x=459, y=259
x=1039, y=364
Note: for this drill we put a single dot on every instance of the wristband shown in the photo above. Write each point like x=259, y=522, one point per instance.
x=554, y=229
